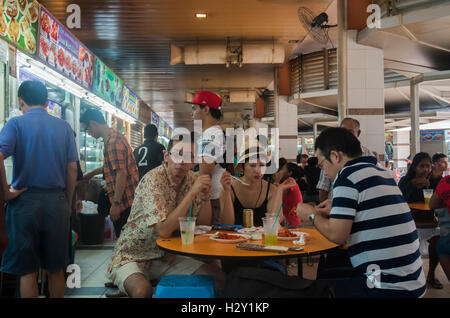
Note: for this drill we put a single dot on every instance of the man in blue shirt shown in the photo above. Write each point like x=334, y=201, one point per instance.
x=44, y=158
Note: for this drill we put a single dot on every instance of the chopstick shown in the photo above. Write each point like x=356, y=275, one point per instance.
x=240, y=181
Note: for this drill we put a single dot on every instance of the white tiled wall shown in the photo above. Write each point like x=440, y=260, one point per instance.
x=366, y=90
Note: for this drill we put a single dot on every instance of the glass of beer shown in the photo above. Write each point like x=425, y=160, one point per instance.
x=270, y=229
x=427, y=194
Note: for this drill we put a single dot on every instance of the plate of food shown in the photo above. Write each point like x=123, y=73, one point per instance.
x=33, y=10
x=251, y=230
x=286, y=235
x=202, y=229
x=3, y=25
x=229, y=238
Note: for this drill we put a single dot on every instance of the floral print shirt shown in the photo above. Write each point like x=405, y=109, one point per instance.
x=154, y=199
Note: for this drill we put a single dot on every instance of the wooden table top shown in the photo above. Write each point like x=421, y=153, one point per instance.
x=419, y=206
x=203, y=246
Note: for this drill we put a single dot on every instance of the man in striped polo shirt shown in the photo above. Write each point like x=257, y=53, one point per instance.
x=369, y=214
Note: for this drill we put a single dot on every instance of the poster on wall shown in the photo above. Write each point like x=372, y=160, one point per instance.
x=431, y=135
x=107, y=85
x=130, y=102
x=54, y=109
x=19, y=23
x=59, y=49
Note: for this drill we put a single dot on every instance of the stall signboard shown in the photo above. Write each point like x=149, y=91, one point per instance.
x=25, y=76
x=155, y=119
x=130, y=102
x=431, y=135
x=107, y=85
x=309, y=141
x=19, y=23
x=161, y=127
x=59, y=49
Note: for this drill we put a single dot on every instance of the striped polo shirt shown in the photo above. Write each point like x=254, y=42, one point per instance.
x=383, y=244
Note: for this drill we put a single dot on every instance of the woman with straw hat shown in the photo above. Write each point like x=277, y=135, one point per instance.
x=250, y=191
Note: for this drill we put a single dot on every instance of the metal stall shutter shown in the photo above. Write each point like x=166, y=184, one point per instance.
x=137, y=134
x=314, y=72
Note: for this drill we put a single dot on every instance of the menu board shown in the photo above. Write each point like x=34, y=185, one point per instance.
x=25, y=76
x=161, y=127
x=107, y=85
x=130, y=102
x=431, y=135
x=19, y=23
x=59, y=49
x=155, y=119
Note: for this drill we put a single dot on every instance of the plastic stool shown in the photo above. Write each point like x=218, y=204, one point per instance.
x=185, y=286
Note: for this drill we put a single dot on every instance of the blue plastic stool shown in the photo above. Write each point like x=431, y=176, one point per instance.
x=185, y=286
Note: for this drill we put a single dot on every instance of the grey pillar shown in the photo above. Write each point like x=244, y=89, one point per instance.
x=342, y=60
x=415, y=122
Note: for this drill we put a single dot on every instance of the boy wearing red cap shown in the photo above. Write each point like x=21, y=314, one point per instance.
x=206, y=107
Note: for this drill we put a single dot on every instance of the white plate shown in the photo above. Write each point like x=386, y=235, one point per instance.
x=202, y=229
x=281, y=238
x=247, y=237
x=251, y=230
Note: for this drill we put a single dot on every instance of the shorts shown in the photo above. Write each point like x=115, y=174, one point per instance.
x=167, y=265
x=443, y=247
x=38, y=226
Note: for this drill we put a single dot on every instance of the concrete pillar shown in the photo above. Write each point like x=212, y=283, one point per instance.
x=401, y=144
x=415, y=120
x=288, y=129
x=342, y=59
x=365, y=92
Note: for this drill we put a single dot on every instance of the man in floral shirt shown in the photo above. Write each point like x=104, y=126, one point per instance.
x=163, y=195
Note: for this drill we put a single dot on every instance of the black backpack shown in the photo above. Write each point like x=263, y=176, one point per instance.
x=250, y=282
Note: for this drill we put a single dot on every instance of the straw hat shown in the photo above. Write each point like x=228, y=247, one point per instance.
x=252, y=151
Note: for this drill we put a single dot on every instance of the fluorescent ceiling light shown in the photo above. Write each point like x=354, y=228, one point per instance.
x=46, y=73
x=443, y=124
x=201, y=15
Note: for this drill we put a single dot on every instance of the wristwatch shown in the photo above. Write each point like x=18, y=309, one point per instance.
x=116, y=203
x=311, y=218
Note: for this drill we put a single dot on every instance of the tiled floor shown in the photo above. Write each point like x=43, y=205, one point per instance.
x=94, y=260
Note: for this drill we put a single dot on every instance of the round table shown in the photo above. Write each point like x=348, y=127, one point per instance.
x=423, y=216
x=204, y=247
x=419, y=206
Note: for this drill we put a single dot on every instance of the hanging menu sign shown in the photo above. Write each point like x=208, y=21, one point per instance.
x=161, y=127
x=107, y=85
x=59, y=49
x=155, y=119
x=19, y=23
x=130, y=102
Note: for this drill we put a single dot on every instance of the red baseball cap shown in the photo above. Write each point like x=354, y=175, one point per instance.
x=207, y=98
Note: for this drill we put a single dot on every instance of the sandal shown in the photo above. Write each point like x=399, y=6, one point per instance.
x=436, y=284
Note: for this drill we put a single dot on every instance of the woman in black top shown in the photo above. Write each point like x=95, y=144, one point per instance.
x=417, y=178
x=258, y=194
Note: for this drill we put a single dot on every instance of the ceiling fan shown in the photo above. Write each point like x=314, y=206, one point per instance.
x=316, y=25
